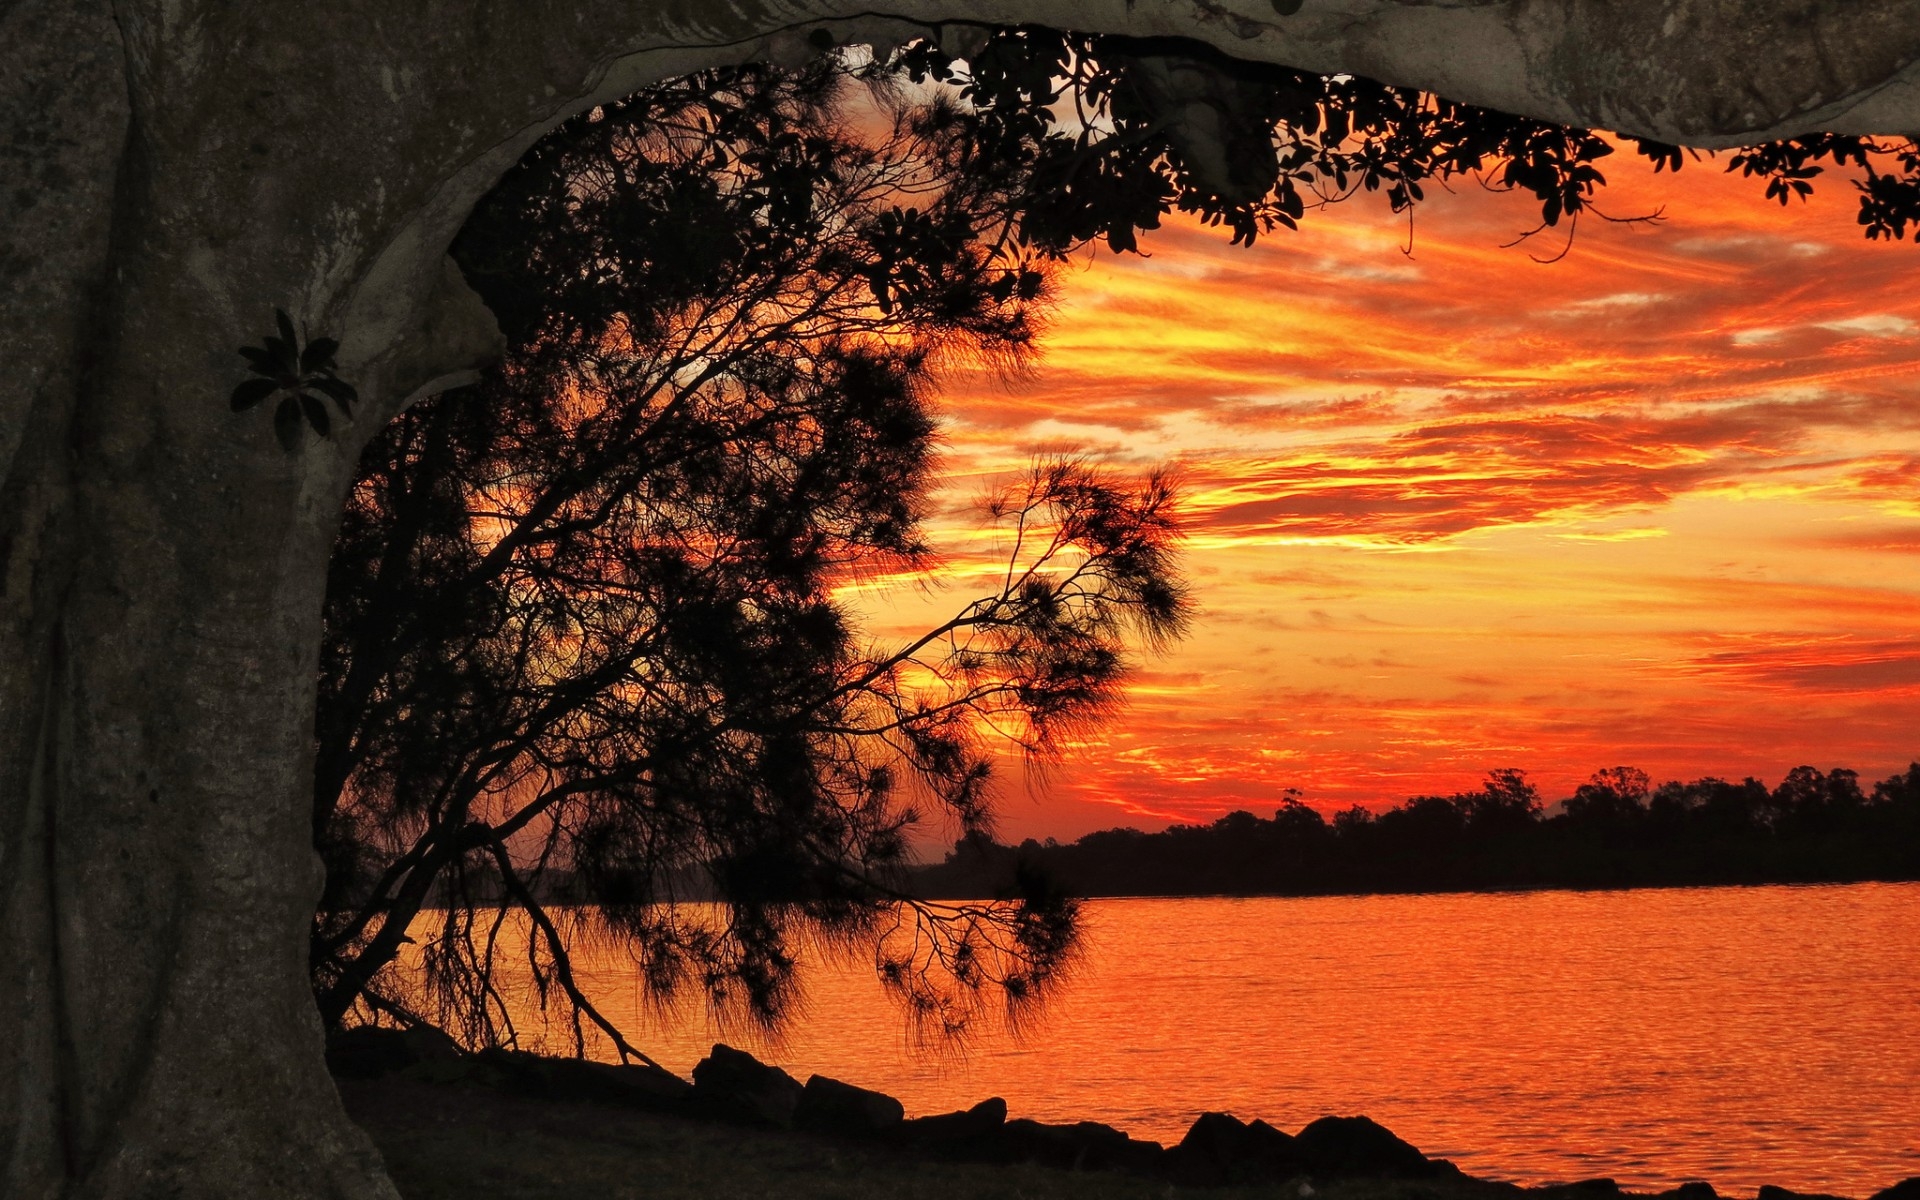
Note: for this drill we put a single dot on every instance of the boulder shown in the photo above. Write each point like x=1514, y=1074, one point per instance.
x=368, y=1051
x=735, y=1085
x=1906, y=1189
x=1082, y=1146
x=955, y=1131
x=580, y=1081
x=1360, y=1147
x=843, y=1110
x=1220, y=1149
x=1693, y=1189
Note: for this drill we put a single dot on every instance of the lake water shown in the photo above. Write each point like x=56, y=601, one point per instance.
x=1738, y=1035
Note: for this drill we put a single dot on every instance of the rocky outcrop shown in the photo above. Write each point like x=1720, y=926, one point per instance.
x=1222, y=1149
x=735, y=1085
x=1358, y=1146
x=955, y=1132
x=842, y=1110
x=367, y=1051
x=1218, y=1149
x=631, y=1086
x=427, y=1054
x=1081, y=1146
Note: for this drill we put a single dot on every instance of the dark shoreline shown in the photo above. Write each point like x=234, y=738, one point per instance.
x=1464, y=890
x=555, y=895
x=735, y=1104
x=1617, y=831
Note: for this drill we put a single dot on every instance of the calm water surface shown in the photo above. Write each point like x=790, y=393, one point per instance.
x=1737, y=1035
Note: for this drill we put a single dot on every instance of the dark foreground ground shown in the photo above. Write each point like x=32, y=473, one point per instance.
x=444, y=1142
x=458, y=1140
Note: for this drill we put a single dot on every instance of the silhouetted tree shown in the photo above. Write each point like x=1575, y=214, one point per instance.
x=1894, y=808
x=1616, y=830
x=1506, y=803
x=1435, y=821
x=1116, y=132
x=1614, y=798
x=582, y=642
x=1810, y=803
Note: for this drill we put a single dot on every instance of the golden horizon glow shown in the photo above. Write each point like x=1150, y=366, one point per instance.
x=1656, y=504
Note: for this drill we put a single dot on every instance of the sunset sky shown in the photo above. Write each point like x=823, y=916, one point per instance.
x=1655, y=504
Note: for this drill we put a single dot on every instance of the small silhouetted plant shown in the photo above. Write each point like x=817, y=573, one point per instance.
x=300, y=376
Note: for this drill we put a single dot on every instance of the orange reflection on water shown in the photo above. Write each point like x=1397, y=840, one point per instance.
x=1738, y=1035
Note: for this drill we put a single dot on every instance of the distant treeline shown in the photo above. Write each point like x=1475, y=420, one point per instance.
x=1617, y=830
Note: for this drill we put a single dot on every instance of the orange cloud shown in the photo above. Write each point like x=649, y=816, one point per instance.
x=1656, y=503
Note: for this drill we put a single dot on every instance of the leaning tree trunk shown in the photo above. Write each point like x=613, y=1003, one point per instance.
x=174, y=170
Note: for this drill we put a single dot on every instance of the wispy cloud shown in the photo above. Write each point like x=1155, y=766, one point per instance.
x=1879, y=325
x=1834, y=663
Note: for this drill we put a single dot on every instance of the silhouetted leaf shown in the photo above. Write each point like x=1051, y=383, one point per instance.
x=286, y=424
x=342, y=393
x=251, y=392
x=287, y=334
x=316, y=415
x=259, y=359
x=318, y=355
x=282, y=358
